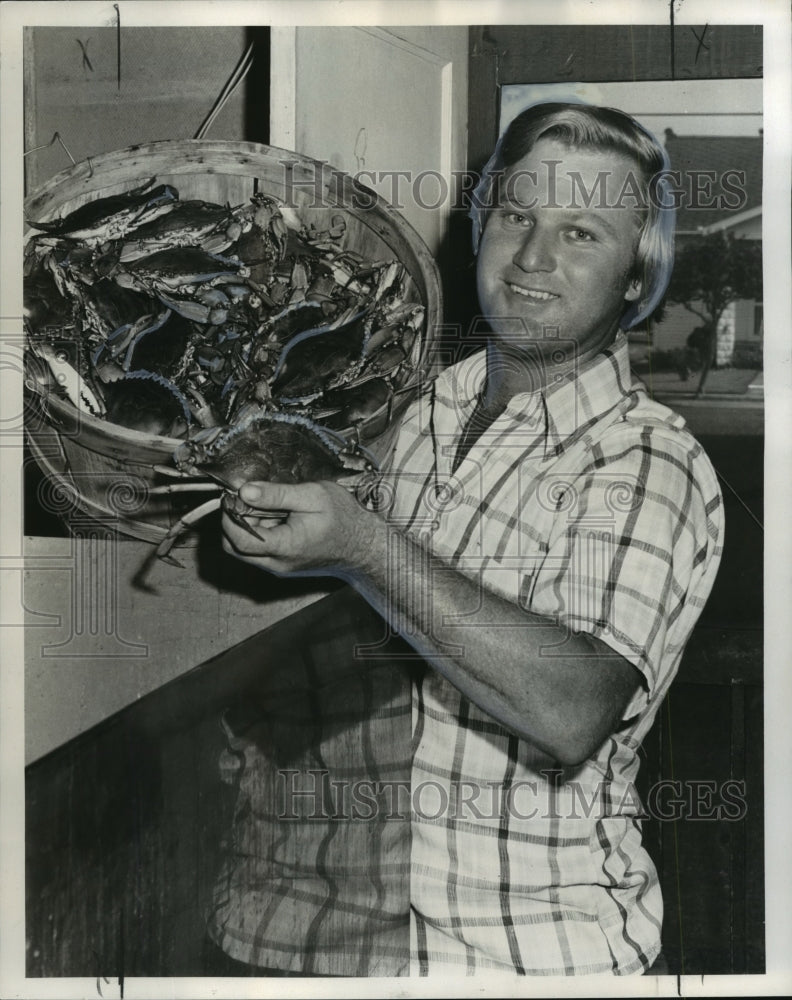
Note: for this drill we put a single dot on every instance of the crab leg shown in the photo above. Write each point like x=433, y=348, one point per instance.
x=184, y=488
x=181, y=526
x=166, y=470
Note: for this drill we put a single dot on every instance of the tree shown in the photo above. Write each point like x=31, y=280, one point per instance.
x=710, y=273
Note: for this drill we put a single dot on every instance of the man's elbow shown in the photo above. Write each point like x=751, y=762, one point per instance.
x=575, y=737
x=582, y=734
x=588, y=717
x=576, y=750
x=569, y=747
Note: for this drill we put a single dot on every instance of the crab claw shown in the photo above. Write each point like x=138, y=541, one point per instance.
x=170, y=560
x=70, y=380
x=237, y=510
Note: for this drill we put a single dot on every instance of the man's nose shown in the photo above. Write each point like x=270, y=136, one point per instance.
x=536, y=251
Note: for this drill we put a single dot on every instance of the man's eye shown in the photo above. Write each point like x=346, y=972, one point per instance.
x=581, y=235
x=517, y=219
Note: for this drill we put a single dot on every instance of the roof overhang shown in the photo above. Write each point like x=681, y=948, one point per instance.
x=730, y=222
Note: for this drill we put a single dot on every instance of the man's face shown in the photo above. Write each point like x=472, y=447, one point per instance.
x=550, y=261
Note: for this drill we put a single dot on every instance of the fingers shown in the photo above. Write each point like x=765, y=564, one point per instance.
x=259, y=539
x=251, y=525
x=317, y=526
x=278, y=496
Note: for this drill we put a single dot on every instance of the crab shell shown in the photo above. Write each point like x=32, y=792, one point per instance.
x=189, y=223
x=146, y=401
x=273, y=447
x=176, y=267
x=112, y=217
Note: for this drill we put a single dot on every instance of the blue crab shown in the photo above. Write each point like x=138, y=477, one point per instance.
x=46, y=309
x=186, y=279
x=145, y=401
x=267, y=446
x=105, y=219
x=212, y=227
x=374, y=339
x=157, y=342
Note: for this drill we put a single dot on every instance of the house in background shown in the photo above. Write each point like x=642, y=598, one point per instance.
x=713, y=158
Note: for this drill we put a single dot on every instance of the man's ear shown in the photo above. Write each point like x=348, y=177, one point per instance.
x=634, y=290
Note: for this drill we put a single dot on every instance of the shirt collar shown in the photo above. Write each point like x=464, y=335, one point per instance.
x=568, y=408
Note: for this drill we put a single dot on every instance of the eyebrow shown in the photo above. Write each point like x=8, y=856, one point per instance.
x=578, y=216
x=520, y=205
x=597, y=220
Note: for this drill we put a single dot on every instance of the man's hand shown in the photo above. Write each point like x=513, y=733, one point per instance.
x=326, y=529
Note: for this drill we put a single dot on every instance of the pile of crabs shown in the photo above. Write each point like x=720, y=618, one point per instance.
x=194, y=320
x=252, y=338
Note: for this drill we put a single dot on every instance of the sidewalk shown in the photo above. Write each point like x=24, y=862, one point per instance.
x=732, y=402
x=744, y=385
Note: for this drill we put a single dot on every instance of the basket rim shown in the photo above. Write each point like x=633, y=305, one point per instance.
x=85, y=171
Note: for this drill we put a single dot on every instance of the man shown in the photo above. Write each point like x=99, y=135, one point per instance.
x=549, y=539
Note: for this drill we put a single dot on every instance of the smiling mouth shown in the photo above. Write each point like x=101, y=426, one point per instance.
x=532, y=293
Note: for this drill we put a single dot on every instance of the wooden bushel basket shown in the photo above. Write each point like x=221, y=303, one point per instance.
x=104, y=470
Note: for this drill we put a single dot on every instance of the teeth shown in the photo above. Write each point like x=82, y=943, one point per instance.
x=529, y=293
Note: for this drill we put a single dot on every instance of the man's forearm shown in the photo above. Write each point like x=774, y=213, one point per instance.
x=563, y=692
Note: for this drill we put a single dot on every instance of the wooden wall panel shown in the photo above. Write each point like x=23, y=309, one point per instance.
x=170, y=80
x=502, y=54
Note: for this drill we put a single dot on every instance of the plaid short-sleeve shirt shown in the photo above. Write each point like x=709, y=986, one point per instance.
x=591, y=505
